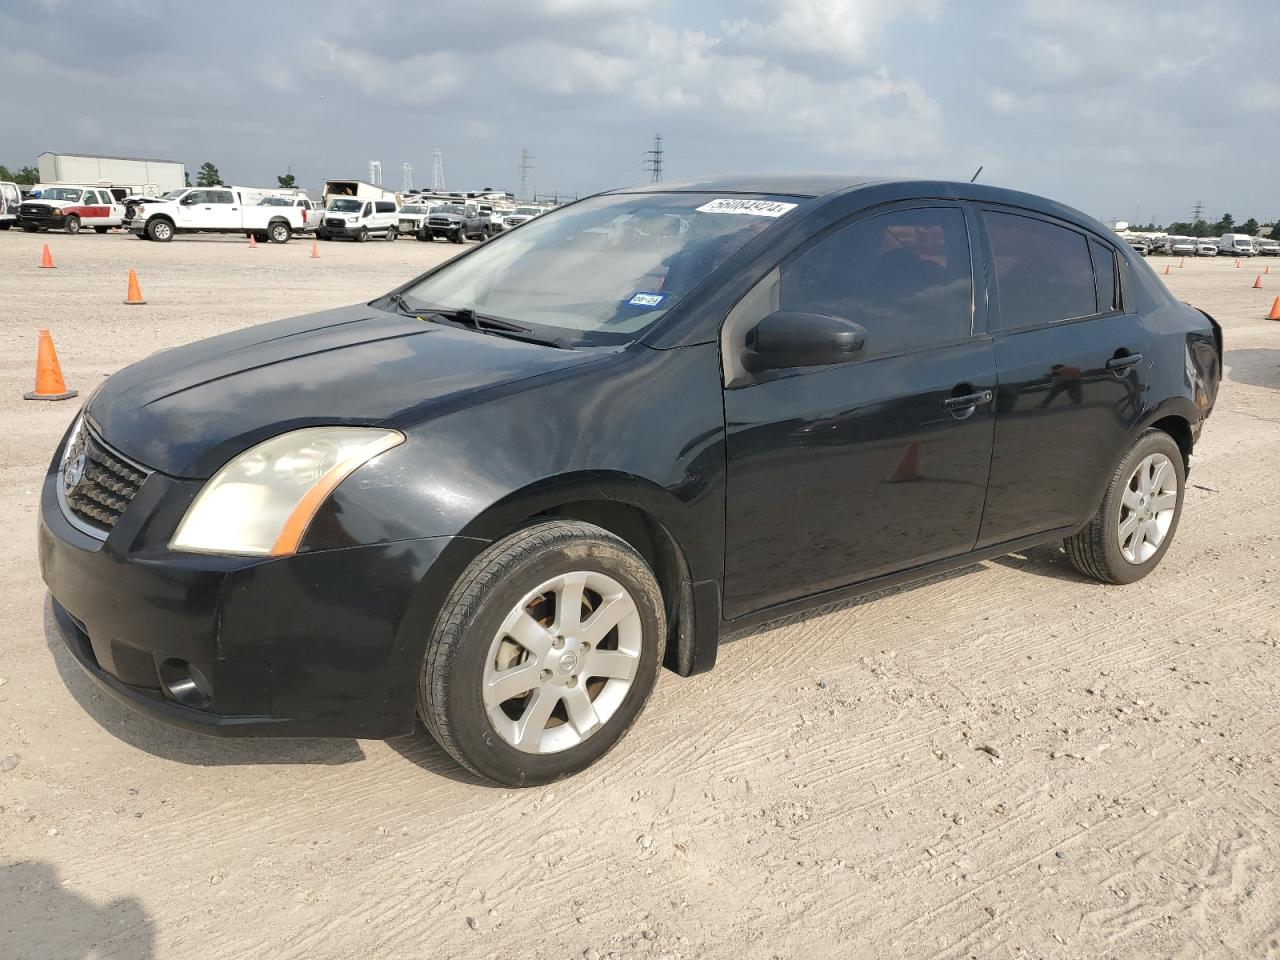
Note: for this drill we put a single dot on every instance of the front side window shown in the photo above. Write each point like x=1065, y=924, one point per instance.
x=195, y=197
x=905, y=276
x=1043, y=272
x=603, y=270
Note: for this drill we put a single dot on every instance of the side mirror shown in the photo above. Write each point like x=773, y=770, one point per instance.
x=788, y=338
x=189, y=199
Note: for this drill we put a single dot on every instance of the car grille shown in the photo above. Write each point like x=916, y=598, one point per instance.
x=106, y=486
x=335, y=224
x=441, y=222
x=34, y=210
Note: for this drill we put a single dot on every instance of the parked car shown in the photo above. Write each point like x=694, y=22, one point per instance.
x=521, y=215
x=1182, y=246
x=493, y=221
x=1236, y=245
x=1206, y=248
x=1139, y=244
x=10, y=200
x=350, y=218
x=1267, y=248
x=211, y=210
x=414, y=215
x=69, y=209
x=311, y=214
x=589, y=451
x=455, y=222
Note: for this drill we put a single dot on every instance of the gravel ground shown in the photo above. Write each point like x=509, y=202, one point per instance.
x=1009, y=761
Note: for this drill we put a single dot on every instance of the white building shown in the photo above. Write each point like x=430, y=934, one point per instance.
x=134, y=175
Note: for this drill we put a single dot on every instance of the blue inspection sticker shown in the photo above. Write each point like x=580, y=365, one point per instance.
x=646, y=299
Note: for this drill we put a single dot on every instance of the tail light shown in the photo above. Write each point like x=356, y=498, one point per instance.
x=304, y=214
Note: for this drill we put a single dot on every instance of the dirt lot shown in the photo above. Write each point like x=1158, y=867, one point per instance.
x=1011, y=761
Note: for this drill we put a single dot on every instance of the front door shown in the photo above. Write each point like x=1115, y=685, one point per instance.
x=842, y=473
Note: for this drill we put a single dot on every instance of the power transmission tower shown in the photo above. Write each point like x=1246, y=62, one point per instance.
x=1198, y=213
x=525, y=167
x=437, y=171
x=375, y=172
x=408, y=176
x=654, y=161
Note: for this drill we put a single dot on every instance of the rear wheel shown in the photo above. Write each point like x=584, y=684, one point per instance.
x=393, y=233
x=72, y=224
x=101, y=229
x=1139, y=514
x=279, y=232
x=546, y=650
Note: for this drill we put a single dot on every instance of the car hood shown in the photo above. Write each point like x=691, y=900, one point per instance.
x=186, y=411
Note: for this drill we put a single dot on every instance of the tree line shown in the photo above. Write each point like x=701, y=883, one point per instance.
x=1203, y=228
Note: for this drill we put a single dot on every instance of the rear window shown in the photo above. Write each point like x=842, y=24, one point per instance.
x=1104, y=269
x=1044, y=273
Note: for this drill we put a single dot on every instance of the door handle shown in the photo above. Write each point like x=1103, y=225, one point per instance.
x=968, y=400
x=1125, y=362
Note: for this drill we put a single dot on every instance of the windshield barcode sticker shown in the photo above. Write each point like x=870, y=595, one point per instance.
x=755, y=208
x=646, y=299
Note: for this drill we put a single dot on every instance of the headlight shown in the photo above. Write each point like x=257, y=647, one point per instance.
x=261, y=502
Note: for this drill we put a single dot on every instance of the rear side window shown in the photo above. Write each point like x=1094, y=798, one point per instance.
x=1104, y=270
x=385, y=206
x=905, y=276
x=1043, y=272
x=220, y=196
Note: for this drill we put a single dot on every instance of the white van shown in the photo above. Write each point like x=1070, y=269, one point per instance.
x=1236, y=245
x=355, y=218
x=10, y=200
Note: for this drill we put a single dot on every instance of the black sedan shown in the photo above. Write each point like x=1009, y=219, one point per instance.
x=502, y=496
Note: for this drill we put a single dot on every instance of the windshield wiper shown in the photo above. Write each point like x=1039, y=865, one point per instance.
x=467, y=317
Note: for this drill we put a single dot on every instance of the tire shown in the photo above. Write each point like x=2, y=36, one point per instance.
x=101, y=229
x=141, y=234
x=160, y=230
x=279, y=232
x=27, y=228
x=363, y=235
x=393, y=233
x=71, y=225
x=1097, y=551
x=456, y=237
x=5, y=225
x=469, y=641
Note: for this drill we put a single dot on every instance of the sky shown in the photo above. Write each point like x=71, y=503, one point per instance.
x=1126, y=110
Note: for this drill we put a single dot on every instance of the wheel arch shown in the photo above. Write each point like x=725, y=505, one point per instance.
x=1175, y=417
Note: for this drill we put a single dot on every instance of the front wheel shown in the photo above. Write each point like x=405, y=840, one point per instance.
x=160, y=230
x=72, y=225
x=393, y=233
x=1133, y=528
x=101, y=229
x=545, y=651
x=363, y=235
x=27, y=228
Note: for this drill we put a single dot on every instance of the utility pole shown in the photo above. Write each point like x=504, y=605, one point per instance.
x=654, y=161
x=375, y=172
x=525, y=167
x=408, y=176
x=437, y=171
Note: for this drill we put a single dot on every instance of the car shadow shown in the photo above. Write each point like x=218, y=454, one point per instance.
x=1256, y=366
x=45, y=918
x=421, y=749
x=183, y=746
x=1049, y=561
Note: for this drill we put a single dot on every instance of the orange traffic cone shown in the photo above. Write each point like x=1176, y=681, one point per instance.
x=1181, y=262
x=1275, y=310
x=1166, y=269
x=46, y=258
x=907, y=467
x=1237, y=264
x=1257, y=284
x=135, y=292
x=315, y=250
x=253, y=242
x=49, y=382
x=1268, y=269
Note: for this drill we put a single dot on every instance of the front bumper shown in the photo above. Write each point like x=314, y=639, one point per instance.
x=42, y=222
x=323, y=643
x=348, y=231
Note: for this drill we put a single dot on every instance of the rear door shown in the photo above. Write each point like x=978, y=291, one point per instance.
x=1072, y=377
x=842, y=473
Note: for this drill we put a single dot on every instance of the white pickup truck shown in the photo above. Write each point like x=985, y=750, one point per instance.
x=212, y=210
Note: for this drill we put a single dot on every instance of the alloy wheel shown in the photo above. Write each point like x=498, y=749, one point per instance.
x=562, y=662
x=1147, y=508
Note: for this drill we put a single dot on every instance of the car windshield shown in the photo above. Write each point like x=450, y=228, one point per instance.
x=603, y=270
x=345, y=205
x=449, y=208
x=413, y=208
x=60, y=193
x=526, y=211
